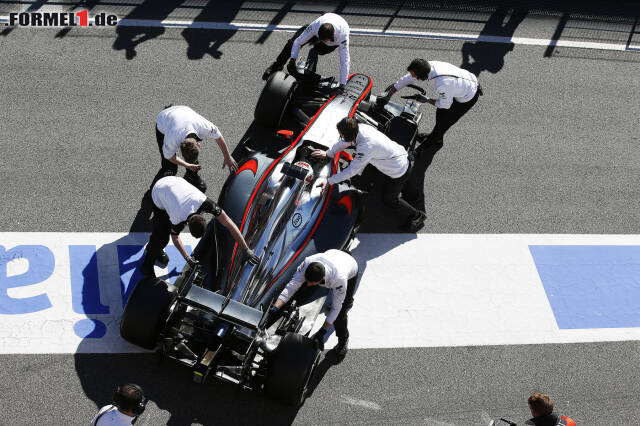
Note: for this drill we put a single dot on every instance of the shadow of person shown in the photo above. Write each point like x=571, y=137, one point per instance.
x=129, y=37
x=202, y=41
x=484, y=55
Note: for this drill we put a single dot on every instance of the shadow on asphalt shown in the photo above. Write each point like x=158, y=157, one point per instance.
x=479, y=56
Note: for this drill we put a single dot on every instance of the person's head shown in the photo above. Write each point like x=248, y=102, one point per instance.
x=348, y=129
x=540, y=404
x=314, y=273
x=130, y=399
x=326, y=32
x=419, y=68
x=190, y=149
x=197, y=225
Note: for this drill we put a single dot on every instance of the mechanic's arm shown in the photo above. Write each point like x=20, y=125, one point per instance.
x=233, y=229
x=331, y=152
x=228, y=159
x=293, y=286
x=178, y=243
x=345, y=61
x=302, y=39
x=338, y=295
x=404, y=81
x=359, y=162
x=180, y=162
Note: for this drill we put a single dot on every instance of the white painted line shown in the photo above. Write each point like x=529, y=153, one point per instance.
x=423, y=290
x=374, y=32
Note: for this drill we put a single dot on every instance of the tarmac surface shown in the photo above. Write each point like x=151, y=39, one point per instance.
x=552, y=147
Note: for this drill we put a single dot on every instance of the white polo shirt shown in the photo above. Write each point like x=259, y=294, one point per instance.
x=339, y=267
x=375, y=148
x=110, y=416
x=340, y=38
x=176, y=122
x=449, y=81
x=177, y=197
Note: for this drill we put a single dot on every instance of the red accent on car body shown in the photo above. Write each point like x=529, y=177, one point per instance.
x=286, y=133
x=252, y=165
x=347, y=202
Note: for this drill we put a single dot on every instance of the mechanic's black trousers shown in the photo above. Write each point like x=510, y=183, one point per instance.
x=445, y=118
x=167, y=168
x=391, y=193
x=285, y=54
x=340, y=324
x=159, y=238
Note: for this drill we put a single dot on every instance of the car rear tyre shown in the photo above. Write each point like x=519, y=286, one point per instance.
x=290, y=369
x=274, y=99
x=146, y=311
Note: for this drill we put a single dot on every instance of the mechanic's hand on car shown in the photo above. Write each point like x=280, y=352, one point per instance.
x=191, y=261
x=274, y=310
x=319, y=337
x=319, y=153
x=322, y=184
x=250, y=256
x=193, y=167
x=231, y=164
x=292, y=68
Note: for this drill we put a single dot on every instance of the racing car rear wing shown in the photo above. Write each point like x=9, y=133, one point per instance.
x=200, y=298
x=234, y=311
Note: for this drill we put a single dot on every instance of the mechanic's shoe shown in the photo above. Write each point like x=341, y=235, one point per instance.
x=341, y=348
x=163, y=259
x=270, y=70
x=415, y=223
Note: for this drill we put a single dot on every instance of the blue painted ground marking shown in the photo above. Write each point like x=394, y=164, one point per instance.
x=41, y=266
x=591, y=286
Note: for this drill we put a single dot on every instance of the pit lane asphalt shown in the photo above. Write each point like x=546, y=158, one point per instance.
x=550, y=148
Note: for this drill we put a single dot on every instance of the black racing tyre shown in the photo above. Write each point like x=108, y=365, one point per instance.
x=146, y=311
x=290, y=368
x=274, y=99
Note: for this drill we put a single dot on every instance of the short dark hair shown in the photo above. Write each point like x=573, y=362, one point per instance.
x=129, y=397
x=314, y=272
x=420, y=67
x=197, y=225
x=349, y=128
x=540, y=404
x=325, y=32
x=190, y=150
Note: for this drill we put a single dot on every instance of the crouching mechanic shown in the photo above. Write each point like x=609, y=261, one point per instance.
x=541, y=407
x=328, y=32
x=375, y=148
x=175, y=203
x=180, y=127
x=333, y=269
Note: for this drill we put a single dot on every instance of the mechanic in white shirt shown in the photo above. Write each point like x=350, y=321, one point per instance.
x=458, y=91
x=375, y=148
x=128, y=403
x=337, y=271
x=178, y=125
x=328, y=32
x=177, y=203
